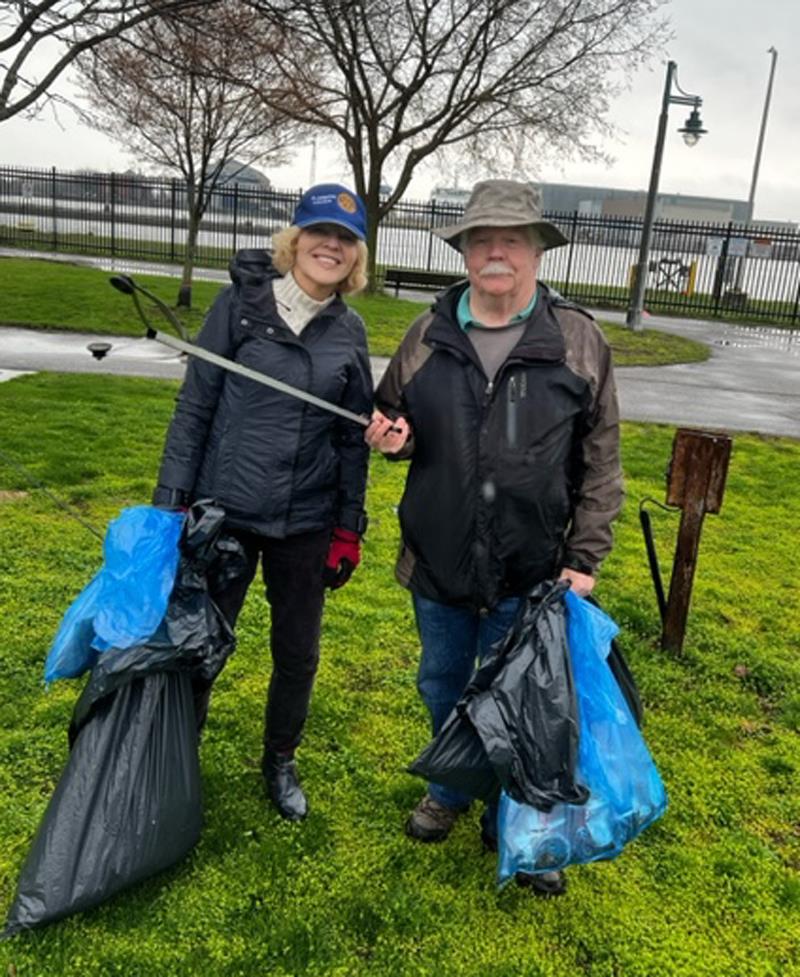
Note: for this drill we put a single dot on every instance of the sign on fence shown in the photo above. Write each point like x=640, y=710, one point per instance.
x=737, y=247
x=761, y=247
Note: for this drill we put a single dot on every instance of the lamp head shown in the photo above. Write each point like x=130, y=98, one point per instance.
x=123, y=284
x=99, y=350
x=693, y=128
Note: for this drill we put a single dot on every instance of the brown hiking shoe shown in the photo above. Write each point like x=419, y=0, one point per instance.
x=431, y=821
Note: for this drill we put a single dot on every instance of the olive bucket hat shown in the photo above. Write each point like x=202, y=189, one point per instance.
x=503, y=203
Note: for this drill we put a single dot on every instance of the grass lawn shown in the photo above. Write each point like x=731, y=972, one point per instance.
x=782, y=314
x=57, y=295
x=712, y=890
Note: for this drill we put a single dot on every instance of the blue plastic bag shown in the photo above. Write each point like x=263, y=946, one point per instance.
x=626, y=793
x=126, y=600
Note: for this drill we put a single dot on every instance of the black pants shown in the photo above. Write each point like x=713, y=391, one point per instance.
x=292, y=572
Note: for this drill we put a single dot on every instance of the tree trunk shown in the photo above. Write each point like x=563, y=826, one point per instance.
x=373, y=285
x=185, y=290
x=372, y=203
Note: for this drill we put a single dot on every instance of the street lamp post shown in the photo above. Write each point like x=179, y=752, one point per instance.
x=692, y=131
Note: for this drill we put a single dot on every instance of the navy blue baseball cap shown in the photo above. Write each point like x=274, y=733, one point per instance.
x=331, y=203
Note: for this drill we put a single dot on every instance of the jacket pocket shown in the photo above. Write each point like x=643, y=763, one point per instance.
x=518, y=424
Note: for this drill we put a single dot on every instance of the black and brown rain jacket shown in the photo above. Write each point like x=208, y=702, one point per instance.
x=509, y=480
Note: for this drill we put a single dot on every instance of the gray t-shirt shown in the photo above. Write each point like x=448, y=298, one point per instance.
x=494, y=343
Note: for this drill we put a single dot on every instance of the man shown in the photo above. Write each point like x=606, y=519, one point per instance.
x=503, y=398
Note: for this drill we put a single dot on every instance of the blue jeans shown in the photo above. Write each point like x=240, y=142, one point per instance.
x=453, y=640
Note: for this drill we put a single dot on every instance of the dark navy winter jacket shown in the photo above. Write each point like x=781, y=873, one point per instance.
x=277, y=465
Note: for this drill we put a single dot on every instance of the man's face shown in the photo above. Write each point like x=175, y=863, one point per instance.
x=501, y=261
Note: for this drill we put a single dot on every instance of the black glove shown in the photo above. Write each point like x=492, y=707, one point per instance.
x=170, y=498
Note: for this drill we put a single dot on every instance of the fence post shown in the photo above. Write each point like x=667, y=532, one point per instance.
x=172, y=195
x=53, y=209
x=235, y=212
x=722, y=262
x=796, y=308
x=430, y=236
x=573, y=228
x=112, y=214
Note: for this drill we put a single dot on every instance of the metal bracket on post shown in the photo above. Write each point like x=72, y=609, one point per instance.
x=695, y=483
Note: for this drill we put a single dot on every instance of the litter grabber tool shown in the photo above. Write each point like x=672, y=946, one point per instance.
x=125, y=284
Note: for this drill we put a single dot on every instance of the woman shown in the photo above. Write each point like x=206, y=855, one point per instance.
x=290, y=476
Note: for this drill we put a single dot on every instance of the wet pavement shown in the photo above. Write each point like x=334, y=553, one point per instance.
x=751, y=382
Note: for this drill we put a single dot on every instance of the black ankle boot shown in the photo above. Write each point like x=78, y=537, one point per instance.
x=283, y=787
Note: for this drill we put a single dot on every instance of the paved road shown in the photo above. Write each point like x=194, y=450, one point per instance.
x=750, y=383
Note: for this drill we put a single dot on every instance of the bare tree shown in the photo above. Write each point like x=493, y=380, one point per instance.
x=403, y=79
x=39, y=41
x=190, y=94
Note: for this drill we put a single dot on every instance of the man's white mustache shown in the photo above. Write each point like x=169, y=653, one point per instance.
x=495, y=268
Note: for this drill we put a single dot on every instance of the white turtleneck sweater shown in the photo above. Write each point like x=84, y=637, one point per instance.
x=295, y=306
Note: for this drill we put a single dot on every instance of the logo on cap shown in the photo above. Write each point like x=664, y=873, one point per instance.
x=346, y=202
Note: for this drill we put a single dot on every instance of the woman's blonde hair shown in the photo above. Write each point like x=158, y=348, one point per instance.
x=284, y=254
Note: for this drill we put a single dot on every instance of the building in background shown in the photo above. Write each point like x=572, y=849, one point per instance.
x=247, y=177
x=610, y=202
x=452, y=196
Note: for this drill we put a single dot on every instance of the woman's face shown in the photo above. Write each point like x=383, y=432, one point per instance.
x=326, y=254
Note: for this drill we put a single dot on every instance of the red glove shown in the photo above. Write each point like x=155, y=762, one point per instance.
x=343, y=557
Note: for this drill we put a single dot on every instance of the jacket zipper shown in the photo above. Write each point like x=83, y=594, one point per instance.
x=511, y=413
x=483, y=504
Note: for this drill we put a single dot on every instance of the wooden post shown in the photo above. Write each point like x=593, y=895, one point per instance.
x=696, y=483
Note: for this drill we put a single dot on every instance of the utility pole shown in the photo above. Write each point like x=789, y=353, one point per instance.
x=312, y=177
x=751, y=199
x=756, y=166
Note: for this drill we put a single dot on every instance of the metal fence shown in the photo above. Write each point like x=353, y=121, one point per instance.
x=728, y=270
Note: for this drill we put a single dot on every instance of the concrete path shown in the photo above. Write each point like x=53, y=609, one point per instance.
x=750, y=383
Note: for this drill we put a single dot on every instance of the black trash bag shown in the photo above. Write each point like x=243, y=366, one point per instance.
x=516, y=724
x=129, y=803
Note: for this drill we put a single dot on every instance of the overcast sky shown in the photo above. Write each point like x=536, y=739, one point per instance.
x=720, y=47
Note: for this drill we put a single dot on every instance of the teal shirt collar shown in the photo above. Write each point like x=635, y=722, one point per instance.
x=466, y=319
